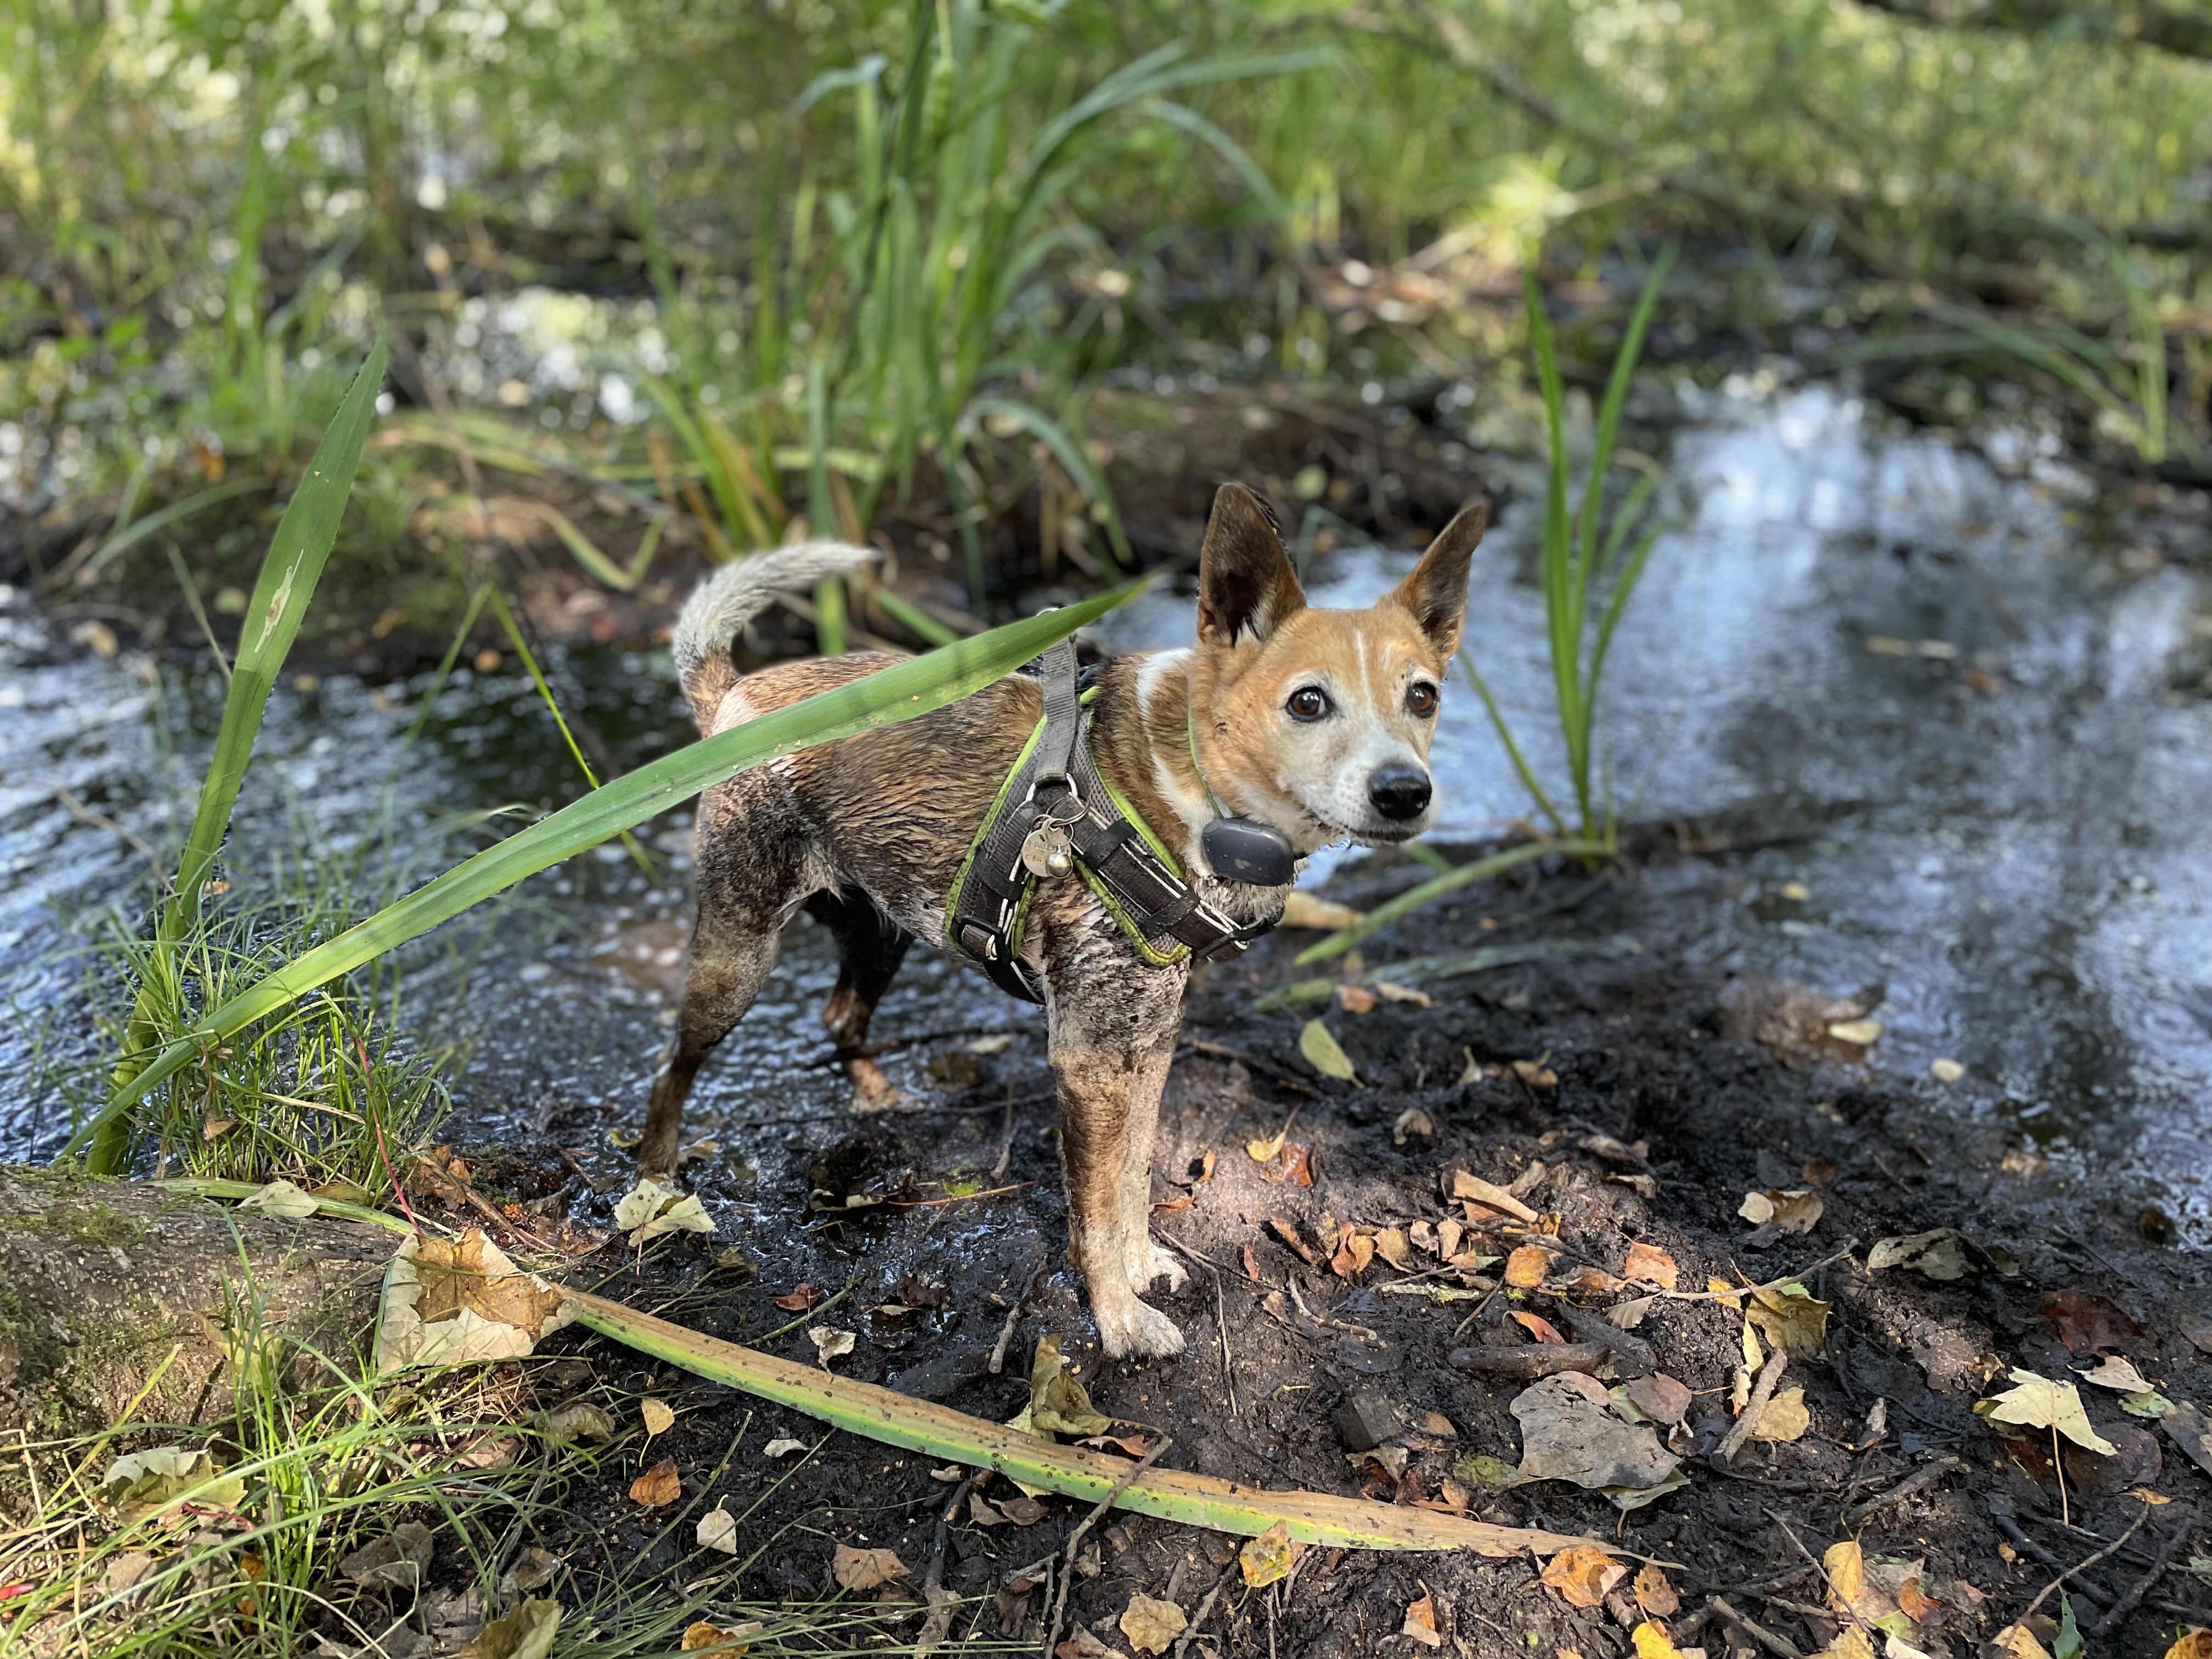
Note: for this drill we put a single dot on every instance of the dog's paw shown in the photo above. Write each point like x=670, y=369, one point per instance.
x=872, y=1091
x=1149, y=1262
x=1135, y=1331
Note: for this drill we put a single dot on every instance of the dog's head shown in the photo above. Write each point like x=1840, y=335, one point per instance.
x=1320, y=721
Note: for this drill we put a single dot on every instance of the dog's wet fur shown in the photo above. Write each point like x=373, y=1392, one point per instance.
x=1318, y=722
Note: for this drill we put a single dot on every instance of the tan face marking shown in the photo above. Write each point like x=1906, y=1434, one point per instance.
x=1320, y=721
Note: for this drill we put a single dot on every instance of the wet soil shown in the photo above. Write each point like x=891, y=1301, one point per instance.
x=1641, y=1053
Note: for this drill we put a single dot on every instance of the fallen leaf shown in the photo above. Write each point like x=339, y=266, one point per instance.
x=1525, y=1267
x=2037, y=1402
x=1324, y=1053
x=659, y=1417
x=2018, y=1642
x=2149, y=1403
x=1629, y=1500
x=830, y=1343
x=1304, y=910
x=1568, y=1433
x=2191, y=1431
x=702, y=1637
x=1654, y=1594
x=1939, y=1254
x=460, y=1302
x=1058, y=1403
x=1489, y=1192
x=1490, y=1474
x=1652, y=1641
x=915, y=1292
x=657, y=1485
x=1412, y=1122
x=1819, y=1172
x=1151, y=1625
x=782, y=1447
x=2117, y=1374
x=1538, y=1326
x=396, y=1561
x=1583, y=1575
x=1649, y=1265
x=2085, y=1323
x=718, y=1530
x=2192, y=1644
x=1251, y=1265
x=1390, y=1244
x=1083, y=1645
x=2197, y=1328
x=1946, y=1071
x=1421, y=1624
x=799, y=1300
x=143, y=1483
x=1268, y=1151
x=1785, y=1209
x=1392, y=992
x=579, y=1420
x=1269, y=1557
x=1859, y=1033
x=864, y=1569
x=1627, y=1315
x=1661, y=1397
x=526, y=1633
x=1294, y=1166
x=278, y=1198
x=1784, y=1418
x=1354, y=1251
x=650, y=1209
x=1790, y=1318
x=1287, y=1230
x=1536, y=1073
x=1472, y=1072
x=1356, y=999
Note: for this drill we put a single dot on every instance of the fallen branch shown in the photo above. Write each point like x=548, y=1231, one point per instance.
x=1083, y=1528
x=2131, y=1598
x=1748, y=1419
x=2081, y=1567
x=1758, y=1633
x=1918, y=1481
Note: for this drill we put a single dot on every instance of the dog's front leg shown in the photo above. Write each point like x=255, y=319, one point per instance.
x=1113, y=1024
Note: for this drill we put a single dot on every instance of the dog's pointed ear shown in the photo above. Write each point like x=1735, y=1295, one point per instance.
x=1245, y=582
x=1436, y=591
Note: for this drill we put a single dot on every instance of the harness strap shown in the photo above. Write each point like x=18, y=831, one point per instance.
x=1145, y=893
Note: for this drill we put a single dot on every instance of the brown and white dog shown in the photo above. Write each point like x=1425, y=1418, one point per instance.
x=1316, y=721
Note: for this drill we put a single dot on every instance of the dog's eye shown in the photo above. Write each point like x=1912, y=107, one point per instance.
x=1421, y=699
x=1308, y=702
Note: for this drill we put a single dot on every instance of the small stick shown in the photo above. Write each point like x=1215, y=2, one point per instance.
x=1918, y=1481
x=1758, y=1633
x=939, y=1624
x=1013, y=1315
x=1204, y=1609
x=1751, y=1289
x=2131, y=1597
x=1761, y=1392
x=1075, y=1538
x=1220, y=1318
x=2076, y=1571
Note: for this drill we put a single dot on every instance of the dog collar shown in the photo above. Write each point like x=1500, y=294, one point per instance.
x=1056, y=813
x=1238, y=848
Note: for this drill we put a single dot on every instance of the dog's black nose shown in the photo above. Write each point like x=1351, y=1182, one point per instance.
x=1399, y=791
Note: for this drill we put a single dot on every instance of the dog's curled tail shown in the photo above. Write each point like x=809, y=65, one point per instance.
x=733, y=597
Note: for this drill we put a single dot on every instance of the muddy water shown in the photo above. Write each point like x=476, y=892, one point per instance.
x=1961, y=680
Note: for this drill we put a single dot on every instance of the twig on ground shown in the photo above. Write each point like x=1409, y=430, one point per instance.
x=1083, y=1527
x=2081, y=1567
x=939, y=1624
x=1220, y=1314
x=1918, y=1481
x=1758, y=1633
x=1791, y=1278
x=1327, y=1323
x=1013, y=1317
x=1229, y=1575
x=2035, y=1552
x=2130, y=1598
x=1748, y=1419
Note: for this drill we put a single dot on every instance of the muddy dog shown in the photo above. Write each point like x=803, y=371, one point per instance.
x=1318, y=722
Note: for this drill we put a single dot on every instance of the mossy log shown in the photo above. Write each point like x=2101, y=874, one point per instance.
x=101, y=1280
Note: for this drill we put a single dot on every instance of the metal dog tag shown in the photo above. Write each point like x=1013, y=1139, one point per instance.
x=1046, y=853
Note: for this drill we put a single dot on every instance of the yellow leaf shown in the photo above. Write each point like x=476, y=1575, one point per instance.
x=1584, y=1575
x=526, y=1633
x=1753, y=1356
x=1324, y=1052
x=658, y=1416
x=703, y=1638
x=1526, y=1267
x=1269, y=1557
x=2037, y=1402
x=1390, y=1244
x=1845, y=1565
x=1785, y=1416
x=2194, y=1645
x=659, y=1484
x=1151, y=1625
x=2018, y=1642
x=1652, y=1641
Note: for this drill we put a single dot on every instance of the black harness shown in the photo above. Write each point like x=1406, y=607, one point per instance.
x=1056, y=817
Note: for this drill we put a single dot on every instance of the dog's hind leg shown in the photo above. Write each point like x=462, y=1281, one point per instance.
x=731, y=956
x=870, y=947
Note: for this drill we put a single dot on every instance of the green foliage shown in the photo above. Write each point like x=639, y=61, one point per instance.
x=1590, y=557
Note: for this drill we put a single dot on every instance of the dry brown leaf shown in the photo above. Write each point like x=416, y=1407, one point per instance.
x=1536, y=1073
x=2086, y=1322
x=1661, y=1397
x=1784, y=1418
x=1525, y=1267
x=1489, y=1194
x=659, y=1417
x=1287, y=1230
x=704, y=1638
x=461, y=1300
x=659, y=1485
x=1782, y=1210
x=830, y=1343
x=1649, y=1265
x=1569, y=1432
x=1412, y=1122
x=1537, y=1326
x=1583, y=1575
x=1391, y=991
x=1151, y=1625
x=1390, y=1244
x=1654, y=1594
x=797, y=1301
x=1083, y=1645
x=718, y=1530
x=1058, y=1403
x=1269, y=1557
x=1357, y=998
x=864, y=1569
x=1421, y=1624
